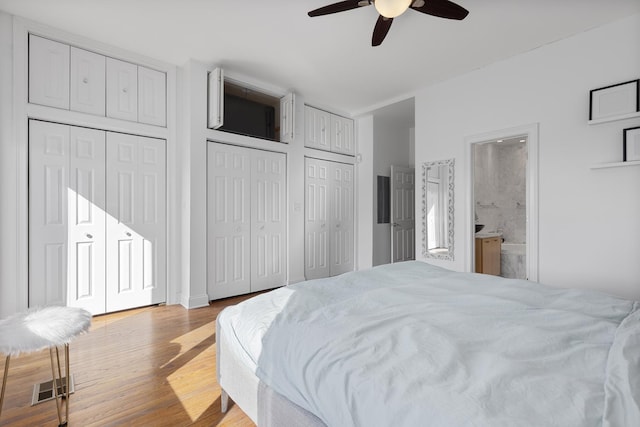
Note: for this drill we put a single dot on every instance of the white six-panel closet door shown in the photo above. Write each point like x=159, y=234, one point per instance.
x=268, y=220
x=86, y=220
x=48, y=184
x=341, y=210
x=229, y=221
x=135, y=221
x=317, y=222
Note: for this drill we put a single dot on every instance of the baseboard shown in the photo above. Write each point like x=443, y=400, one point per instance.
x=195, y=302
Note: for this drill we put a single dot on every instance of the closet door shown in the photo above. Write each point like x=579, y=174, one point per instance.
x=151, y=218
x=268, y=220
x=341, y=215
x=48, y=187
x=86, y=220
x=135, y=221
x=229, y=221
x=317, y=173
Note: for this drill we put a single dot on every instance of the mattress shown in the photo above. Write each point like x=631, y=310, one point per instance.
x=409, y=342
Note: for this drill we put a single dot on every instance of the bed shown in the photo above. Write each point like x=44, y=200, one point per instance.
x=414, y=344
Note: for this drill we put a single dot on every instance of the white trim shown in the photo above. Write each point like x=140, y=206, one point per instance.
x=531, y=131
x=20, y=132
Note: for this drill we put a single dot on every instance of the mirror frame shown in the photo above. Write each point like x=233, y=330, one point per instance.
x=449, y=254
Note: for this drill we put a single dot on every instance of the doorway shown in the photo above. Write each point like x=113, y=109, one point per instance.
x=502, y=203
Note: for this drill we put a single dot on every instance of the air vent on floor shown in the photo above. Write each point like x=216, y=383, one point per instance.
x=44, y=391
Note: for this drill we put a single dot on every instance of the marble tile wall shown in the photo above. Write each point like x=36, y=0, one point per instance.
x=500, y=188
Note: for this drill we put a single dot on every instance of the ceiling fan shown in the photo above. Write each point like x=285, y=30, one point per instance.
x=389, y=9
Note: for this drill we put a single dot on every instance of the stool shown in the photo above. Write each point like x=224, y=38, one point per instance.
x=40, y=328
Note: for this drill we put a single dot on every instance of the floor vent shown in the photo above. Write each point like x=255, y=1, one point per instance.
x=44, y=391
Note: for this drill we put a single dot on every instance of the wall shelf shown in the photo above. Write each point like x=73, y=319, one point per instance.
x=614, y=118
x=615, y=164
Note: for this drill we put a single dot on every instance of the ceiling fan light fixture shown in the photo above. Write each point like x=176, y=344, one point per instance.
x=391, y=8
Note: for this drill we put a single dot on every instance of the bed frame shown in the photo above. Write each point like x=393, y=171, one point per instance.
x=264, y=406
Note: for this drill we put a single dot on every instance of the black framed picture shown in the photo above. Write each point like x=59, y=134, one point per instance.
x=631, y=144
x=615, y=100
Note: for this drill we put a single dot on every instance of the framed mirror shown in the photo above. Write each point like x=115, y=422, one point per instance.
x=437, y=209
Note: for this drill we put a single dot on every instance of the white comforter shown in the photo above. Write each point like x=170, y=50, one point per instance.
x=411, y=344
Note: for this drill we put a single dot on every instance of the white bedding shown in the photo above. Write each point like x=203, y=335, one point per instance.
x=412, y=344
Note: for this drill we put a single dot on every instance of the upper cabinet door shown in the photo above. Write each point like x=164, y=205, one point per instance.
x=215, y=117
x=87, y=82
x=152, y=97
x=122, y=90
x=287, y=118
x=342, y=135
x=48, y=72
x=317, y=127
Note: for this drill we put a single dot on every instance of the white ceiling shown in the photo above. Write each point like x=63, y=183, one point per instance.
x=328, y=59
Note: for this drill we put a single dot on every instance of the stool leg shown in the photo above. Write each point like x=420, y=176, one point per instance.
x=67, y=391
x=55, y=383
x=4, y=382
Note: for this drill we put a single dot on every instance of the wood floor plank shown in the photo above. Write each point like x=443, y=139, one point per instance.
x=153, y=366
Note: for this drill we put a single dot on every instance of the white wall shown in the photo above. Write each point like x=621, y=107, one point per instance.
x=391, y=146
x=588, y=219
x=364, y=193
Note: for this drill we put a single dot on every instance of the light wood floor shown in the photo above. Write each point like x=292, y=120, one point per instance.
x=153, y=366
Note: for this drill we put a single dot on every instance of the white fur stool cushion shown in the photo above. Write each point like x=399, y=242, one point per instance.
x=40, y=328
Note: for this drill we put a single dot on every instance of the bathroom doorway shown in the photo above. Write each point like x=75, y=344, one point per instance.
x=502, y=204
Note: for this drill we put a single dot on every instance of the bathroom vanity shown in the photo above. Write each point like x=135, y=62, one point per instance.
x=488, y=248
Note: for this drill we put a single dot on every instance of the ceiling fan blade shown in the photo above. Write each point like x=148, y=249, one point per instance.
x=440, y=8
x=380, y=30
x=339, y=7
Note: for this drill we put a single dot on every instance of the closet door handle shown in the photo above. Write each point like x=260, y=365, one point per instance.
x=89, y=236
x=128, y=234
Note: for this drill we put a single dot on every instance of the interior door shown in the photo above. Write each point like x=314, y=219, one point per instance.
x=268, y=220
x=316, y=219
x=135, y=221
x=341, y=215
x=48, y=186
x=229, y=221
x=402, y=214
x=86, y=220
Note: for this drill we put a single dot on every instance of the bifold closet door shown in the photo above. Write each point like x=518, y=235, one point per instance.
x=66, y=216
x=246, y=205
x=86, y=220
x=136, y=221
x=317, y=222
x=97, y=218
x=268, y=226
x=229, y=221
x=328, y=218
x=48, y=187
x=341, y=215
